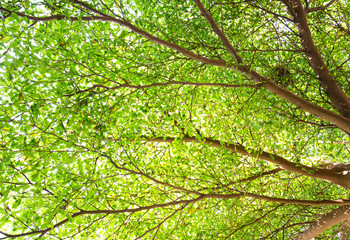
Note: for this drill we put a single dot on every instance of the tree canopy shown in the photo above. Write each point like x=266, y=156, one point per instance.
x=165, y=119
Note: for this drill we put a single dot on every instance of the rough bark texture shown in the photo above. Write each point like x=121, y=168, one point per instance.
x=338, y=98
x=330, y=219
x=342, y=180
x=339, y=120
x=336, y=95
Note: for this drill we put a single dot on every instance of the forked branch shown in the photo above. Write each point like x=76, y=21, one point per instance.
x=325, y=114
x=341, y=202
x=342, y=180
x=338, y=98
x=336, y=95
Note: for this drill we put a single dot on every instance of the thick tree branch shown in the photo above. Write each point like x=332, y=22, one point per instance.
x=330, y=219
x=340, y=121
x=340, y=101
x=340, y=202
x=326, y=79
x=342, y=180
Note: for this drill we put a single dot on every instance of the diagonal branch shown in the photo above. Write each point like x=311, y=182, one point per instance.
x=150, y=178
x=340, y=202
x=152, y=38
x=160, y=224
x=251, y=178
x=218, y=31
x=106, y=18
x=54, y=17
x=329, y=220
x=315, y=9
x=326, y=79
x=341, y=180
x=325, y=114
x=337, y=96
x=259, y=175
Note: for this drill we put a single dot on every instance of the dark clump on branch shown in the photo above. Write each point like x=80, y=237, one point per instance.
x=282, y=76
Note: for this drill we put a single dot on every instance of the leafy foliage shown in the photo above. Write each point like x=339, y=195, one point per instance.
x=108, y=134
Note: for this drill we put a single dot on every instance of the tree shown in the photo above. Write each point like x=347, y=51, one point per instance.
x=175, y=119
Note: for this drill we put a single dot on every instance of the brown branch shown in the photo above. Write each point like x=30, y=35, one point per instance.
x=283, y=228
x=160, y=224
x=341, y=180
x=88, y=7
x=339, y=202
x=154, y=39
x=253, y=221
x=253, y=4
x=218, y=31
x=325, y=114
x=150, y=178
x=316, y=9
x=328, y=220
x=321, y=125
x=270, y=50
x=336, y=95
x=251, y=178
x=83, y=212
x=259, y=175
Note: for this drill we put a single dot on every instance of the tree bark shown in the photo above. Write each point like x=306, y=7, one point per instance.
x=342, y=180
x=325, y=114
x=330, y=219
x=338, y=98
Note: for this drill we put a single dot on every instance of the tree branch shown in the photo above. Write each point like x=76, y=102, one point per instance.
x=55, y=17
x=259, y=175
x=251, y=178
x=341, y=180
x=150, y=178
x=253, y=4
x=152, y=38
x=315, y=9
x=218, y=31
x=341, y=102
x=325, y=114
x=326, y=79
x=330, y=219
x=160, y=224
x=341, y=202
